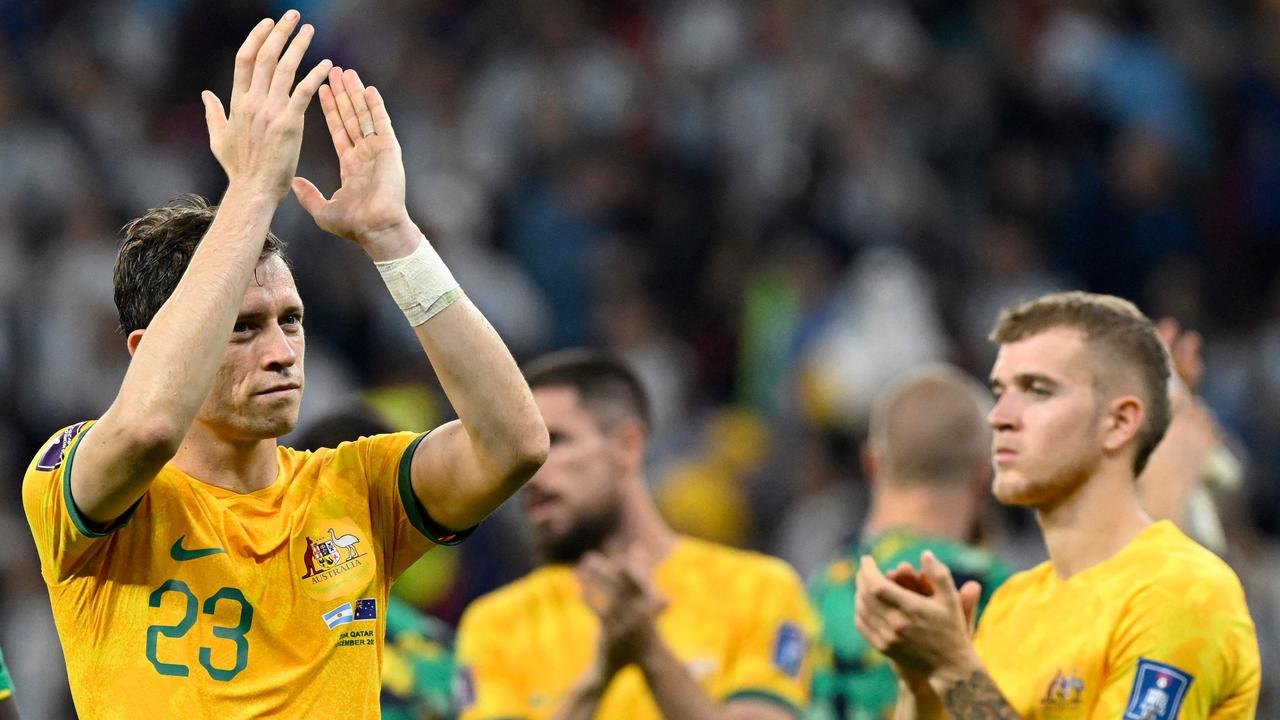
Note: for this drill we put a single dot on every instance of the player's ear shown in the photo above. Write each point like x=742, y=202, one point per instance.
x=631, y=437
x=1123, y=421
x=132, y=342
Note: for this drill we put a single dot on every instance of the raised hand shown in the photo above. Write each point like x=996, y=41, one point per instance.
x=258, y=144
x=369, y=208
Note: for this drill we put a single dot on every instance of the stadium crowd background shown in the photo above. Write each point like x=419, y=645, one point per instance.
x=769, y=207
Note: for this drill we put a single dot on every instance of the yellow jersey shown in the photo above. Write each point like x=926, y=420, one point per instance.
x=200, y=602
x=739, y=621
x=1160, y=628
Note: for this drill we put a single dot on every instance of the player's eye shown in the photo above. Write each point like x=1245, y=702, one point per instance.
x=292, y=319
x=241, y=327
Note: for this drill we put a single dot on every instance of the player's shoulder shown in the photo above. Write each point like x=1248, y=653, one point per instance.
x=547, y=586
x=723, y=561
x=53, y=452
x=1163, y=556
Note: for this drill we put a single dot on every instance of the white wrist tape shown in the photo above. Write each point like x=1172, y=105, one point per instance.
x=420, y=283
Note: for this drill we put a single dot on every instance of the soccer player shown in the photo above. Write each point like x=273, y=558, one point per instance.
x=626, y=619
x=927, y=460
x=194, y=566
x=8, y=707
x=1128, y=618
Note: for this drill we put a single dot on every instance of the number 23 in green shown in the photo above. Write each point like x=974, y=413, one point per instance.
x=235, y=634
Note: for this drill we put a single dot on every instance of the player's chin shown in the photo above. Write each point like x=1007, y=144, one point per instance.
x=1011, y=488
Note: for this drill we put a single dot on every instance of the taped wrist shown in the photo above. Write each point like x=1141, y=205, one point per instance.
x=420, y=283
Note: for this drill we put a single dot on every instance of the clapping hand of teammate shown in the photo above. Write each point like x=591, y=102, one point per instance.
x=620, y=594
x=258, y=143
x=919, y=620
x=369, y=208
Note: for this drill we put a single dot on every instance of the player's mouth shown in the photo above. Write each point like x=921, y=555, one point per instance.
x=280, y=391
x=1002, y=456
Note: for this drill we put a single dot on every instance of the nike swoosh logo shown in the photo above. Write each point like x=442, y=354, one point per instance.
x=179, y=553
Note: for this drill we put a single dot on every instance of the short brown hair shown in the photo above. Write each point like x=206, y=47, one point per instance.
x=930, y=427
x=1116, y=327
x=606, y=386
x=155, y=253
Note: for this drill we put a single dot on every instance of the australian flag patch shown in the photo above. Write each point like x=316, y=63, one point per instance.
x=1158, y=691
x=789, y=649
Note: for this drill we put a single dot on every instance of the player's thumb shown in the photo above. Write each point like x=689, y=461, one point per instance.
x=214, y=116
x=309, y=197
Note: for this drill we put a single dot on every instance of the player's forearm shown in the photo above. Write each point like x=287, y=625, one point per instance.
x=173, y=368
x=973, y=696
x=583, y=699
x=505, y=431
x=678, y=695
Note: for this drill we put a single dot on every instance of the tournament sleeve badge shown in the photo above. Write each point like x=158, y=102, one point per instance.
x=1158, y=691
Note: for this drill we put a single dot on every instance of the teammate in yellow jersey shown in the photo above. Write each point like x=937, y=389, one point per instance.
x=626, y=619
x=195, y=568
x=1128, y=619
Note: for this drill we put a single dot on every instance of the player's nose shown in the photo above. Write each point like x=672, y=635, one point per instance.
x=279, y=351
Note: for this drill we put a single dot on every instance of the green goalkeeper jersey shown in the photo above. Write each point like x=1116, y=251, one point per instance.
x=853, y=681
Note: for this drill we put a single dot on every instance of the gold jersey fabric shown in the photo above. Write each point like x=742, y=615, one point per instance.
x=1158, y=631
x=739, y=621
x=205, y=603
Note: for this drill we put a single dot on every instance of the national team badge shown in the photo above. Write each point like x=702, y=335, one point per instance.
x=789, y=649
x=1158, y=691
x=53, y=456
x=322, y=555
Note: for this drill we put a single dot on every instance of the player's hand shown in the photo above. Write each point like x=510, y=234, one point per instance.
x=258, y=144
x=925, y=631
x=628, y=607
x=369, y=208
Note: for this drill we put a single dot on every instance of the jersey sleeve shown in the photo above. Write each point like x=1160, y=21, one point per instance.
x=487, y=685
x=403, y=524
x=66, y=540
x=1190, y=652
x=776, y=654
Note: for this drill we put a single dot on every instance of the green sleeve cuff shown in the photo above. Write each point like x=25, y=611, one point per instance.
x=82, y=523
x=766, y=696
x=418, y=515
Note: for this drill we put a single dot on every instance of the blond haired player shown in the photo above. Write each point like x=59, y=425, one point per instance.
x=1129, y=618
x=196, y=568
x=626, y=619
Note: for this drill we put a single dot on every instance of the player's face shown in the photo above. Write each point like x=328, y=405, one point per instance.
x=257, y=389
x=1047, y=437
x=573, y=500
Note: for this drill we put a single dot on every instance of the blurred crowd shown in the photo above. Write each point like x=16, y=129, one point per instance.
x=770, y=207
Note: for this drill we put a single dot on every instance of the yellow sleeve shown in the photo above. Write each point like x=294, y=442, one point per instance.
x=487, y=686
x=1190, y=650
x=66, y=541
x=397, y=514
x=777, y=652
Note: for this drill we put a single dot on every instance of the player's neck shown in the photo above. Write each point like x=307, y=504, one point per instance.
x=643, y=535
x=931, y=511
x=1094, y=523
x=241, y=467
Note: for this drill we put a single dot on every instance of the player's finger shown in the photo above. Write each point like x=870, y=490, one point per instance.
x=287, y=68
x=937, y=573
x=307, y=88
x=347, y=111
x=355, y=91
x=337, y=132
x=378, y=110
x=246, y=55
x=215, y=117
x=970, y=594
x=264, y=65
x=309, y=196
